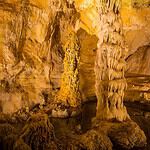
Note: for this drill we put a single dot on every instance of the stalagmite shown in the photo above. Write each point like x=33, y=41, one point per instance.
x=109, y=63
x=69, y=92
x=69, y=95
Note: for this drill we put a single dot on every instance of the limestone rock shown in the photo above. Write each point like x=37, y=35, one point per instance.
x=93, y=140
x=123, y=135
x=39, y=129
x=139, y=62
x=60, y=113
x=21, y=145
x=7, y=135
x=9, y=141
x=128, y=135
x=147, y=114
x=140, y=3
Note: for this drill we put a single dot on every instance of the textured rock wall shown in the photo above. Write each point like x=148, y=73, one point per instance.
x=87, y=60
x=136, y=27
x=25, y=60
x=139, y=61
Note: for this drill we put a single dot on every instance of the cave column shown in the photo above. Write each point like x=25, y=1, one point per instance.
x=69, y=92
x=110, y=63
x=69, y=96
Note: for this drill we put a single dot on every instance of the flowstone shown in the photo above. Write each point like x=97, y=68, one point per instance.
x=21, y=145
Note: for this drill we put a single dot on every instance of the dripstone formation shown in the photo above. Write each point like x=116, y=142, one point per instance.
x=110, y=63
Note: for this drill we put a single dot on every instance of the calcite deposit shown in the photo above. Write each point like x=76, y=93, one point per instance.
x=69, y=91
x=110, y=63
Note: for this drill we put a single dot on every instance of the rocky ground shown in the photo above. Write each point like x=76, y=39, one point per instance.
x=29, y=130
x=140, y=113
x=35, y=128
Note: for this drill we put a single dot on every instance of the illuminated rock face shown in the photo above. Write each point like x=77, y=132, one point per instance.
x=69, y=91
x=26, y=28
x=89, y=17
x=140, y=3
x=110, y=63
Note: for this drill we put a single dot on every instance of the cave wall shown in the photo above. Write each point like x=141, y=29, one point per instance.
x=31, y=56
x=26, y=27
x=136, y=22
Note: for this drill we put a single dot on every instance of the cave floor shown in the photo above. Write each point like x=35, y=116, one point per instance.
x=139, y=112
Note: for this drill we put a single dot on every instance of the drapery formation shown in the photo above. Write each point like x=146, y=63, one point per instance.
x=110, y=63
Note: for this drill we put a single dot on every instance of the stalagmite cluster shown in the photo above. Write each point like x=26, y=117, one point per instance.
x=110, y=63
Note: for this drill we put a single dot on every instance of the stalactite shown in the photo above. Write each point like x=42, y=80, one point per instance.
x=110, y=64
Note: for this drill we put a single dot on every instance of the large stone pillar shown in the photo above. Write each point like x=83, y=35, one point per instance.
x=110, y=63
x=69, y=94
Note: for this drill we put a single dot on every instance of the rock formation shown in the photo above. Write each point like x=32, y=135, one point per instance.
x=69, y=94
x=39, y=130
x=26, y=39
x=110, y=63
